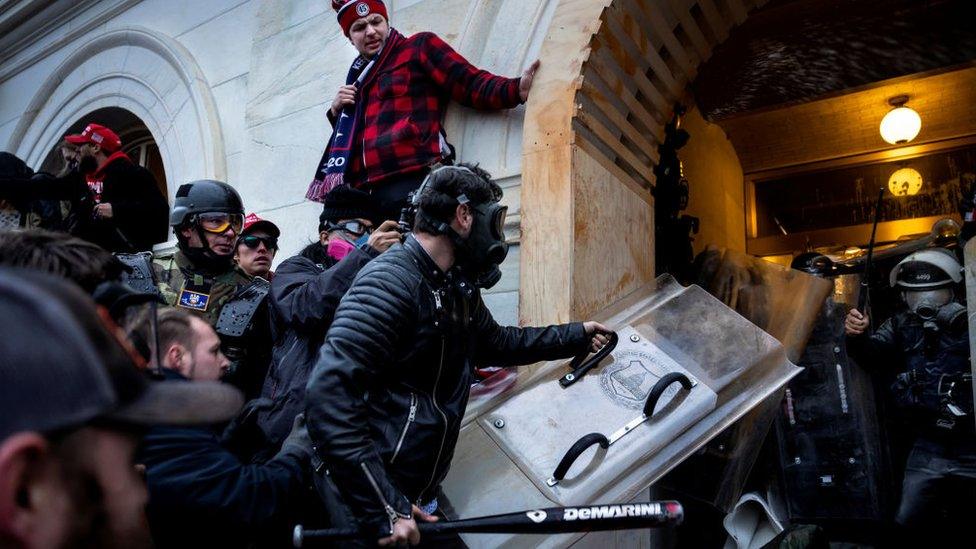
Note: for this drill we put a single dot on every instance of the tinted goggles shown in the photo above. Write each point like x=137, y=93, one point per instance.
x=218, y=223
x=353, y=227
x=253, y=241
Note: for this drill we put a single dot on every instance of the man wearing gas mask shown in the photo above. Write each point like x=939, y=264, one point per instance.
x=409, y=332
x=929, y=344
x=201, y=277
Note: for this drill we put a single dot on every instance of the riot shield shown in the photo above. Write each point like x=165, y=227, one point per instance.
x=702, y=364
x=969, y=253
x=785, y=303
x=832, y=456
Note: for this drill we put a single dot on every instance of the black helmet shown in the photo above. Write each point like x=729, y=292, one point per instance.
x=813, y=263
x=205, y=195
x=926, y=269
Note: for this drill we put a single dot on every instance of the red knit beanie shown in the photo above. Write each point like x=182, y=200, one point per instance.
x=348, y=11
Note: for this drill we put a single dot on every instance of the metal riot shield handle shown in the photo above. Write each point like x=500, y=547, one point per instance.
x=586, y=441
x=580, y=368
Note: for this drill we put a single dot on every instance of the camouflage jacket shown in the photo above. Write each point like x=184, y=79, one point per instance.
x=246, y=332
x=205, y=294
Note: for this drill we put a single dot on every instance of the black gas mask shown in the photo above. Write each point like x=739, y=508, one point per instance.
x=937, y=308
x=480, y=254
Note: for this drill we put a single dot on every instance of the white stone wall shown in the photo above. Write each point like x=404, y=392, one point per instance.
x=238, y=90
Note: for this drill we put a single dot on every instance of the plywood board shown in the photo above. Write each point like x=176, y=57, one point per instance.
x=613, y=231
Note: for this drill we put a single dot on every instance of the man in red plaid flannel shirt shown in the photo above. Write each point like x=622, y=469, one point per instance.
x=401, y=131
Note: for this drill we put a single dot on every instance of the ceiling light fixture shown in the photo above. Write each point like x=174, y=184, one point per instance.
x=901, y=124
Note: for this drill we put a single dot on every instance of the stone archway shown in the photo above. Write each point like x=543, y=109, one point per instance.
x=612, y=71
x=145, y=73
x=137, y=142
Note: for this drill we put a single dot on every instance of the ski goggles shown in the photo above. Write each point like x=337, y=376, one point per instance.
x=353, y=227
x=253, y=241
x=218, y=223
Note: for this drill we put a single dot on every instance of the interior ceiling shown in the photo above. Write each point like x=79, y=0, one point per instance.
x=845, y=125
x=794, y=51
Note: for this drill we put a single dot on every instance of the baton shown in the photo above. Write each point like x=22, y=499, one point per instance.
x=863, y=299
x=554, y=520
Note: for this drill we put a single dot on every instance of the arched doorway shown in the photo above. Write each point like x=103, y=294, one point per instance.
x=613, y=72
x=138, y=142
x=784, y=91
x=161, y=84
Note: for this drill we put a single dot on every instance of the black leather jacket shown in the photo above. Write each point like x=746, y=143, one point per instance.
x=387, y=396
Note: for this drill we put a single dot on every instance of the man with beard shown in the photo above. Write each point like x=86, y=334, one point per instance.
x=201, y=277
x=388, y=118
x=73, y=404
x=128, y=211
x=200, y=493
x=387, y=395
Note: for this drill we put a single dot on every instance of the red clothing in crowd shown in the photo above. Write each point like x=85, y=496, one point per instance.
x=405, y=102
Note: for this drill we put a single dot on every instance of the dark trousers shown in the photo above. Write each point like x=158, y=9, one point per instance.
x=340, y=516
x=392, y=196
x=938, y=498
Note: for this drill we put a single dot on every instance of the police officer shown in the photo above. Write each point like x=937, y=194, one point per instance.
x=928, y=344
x=201, y=276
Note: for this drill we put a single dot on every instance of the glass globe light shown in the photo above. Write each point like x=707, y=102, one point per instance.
x=900, y=125
x=905, y=182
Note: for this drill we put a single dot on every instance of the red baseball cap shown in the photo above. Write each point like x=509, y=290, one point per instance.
x=253, y=222
x=98, y=135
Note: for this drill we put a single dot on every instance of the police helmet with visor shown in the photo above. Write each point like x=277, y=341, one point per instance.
x=927, y=279
x=926, y=269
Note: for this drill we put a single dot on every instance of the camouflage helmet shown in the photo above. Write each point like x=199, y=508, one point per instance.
x=203, y=196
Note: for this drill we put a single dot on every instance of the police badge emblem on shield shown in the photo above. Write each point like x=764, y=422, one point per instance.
x=193, y=300
x=628, y=380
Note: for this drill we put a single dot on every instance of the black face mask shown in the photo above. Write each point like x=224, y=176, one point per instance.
x=480, y=254
x=207, y=261
x=87, y=164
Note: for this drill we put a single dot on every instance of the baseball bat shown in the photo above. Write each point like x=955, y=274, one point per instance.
x=554, y=520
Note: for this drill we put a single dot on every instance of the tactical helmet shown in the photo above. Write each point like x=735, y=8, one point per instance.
x=205, y=195
x=926, y=269
x=813, y=263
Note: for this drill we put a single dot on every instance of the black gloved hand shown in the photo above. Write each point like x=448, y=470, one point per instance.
x=298, y=444
x=242, y=435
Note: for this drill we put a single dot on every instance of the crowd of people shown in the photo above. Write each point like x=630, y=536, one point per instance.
x=198, y=398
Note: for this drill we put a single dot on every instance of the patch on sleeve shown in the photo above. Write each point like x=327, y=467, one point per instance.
x=193, y=300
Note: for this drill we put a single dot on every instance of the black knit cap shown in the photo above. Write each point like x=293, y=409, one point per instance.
x=345, y=202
